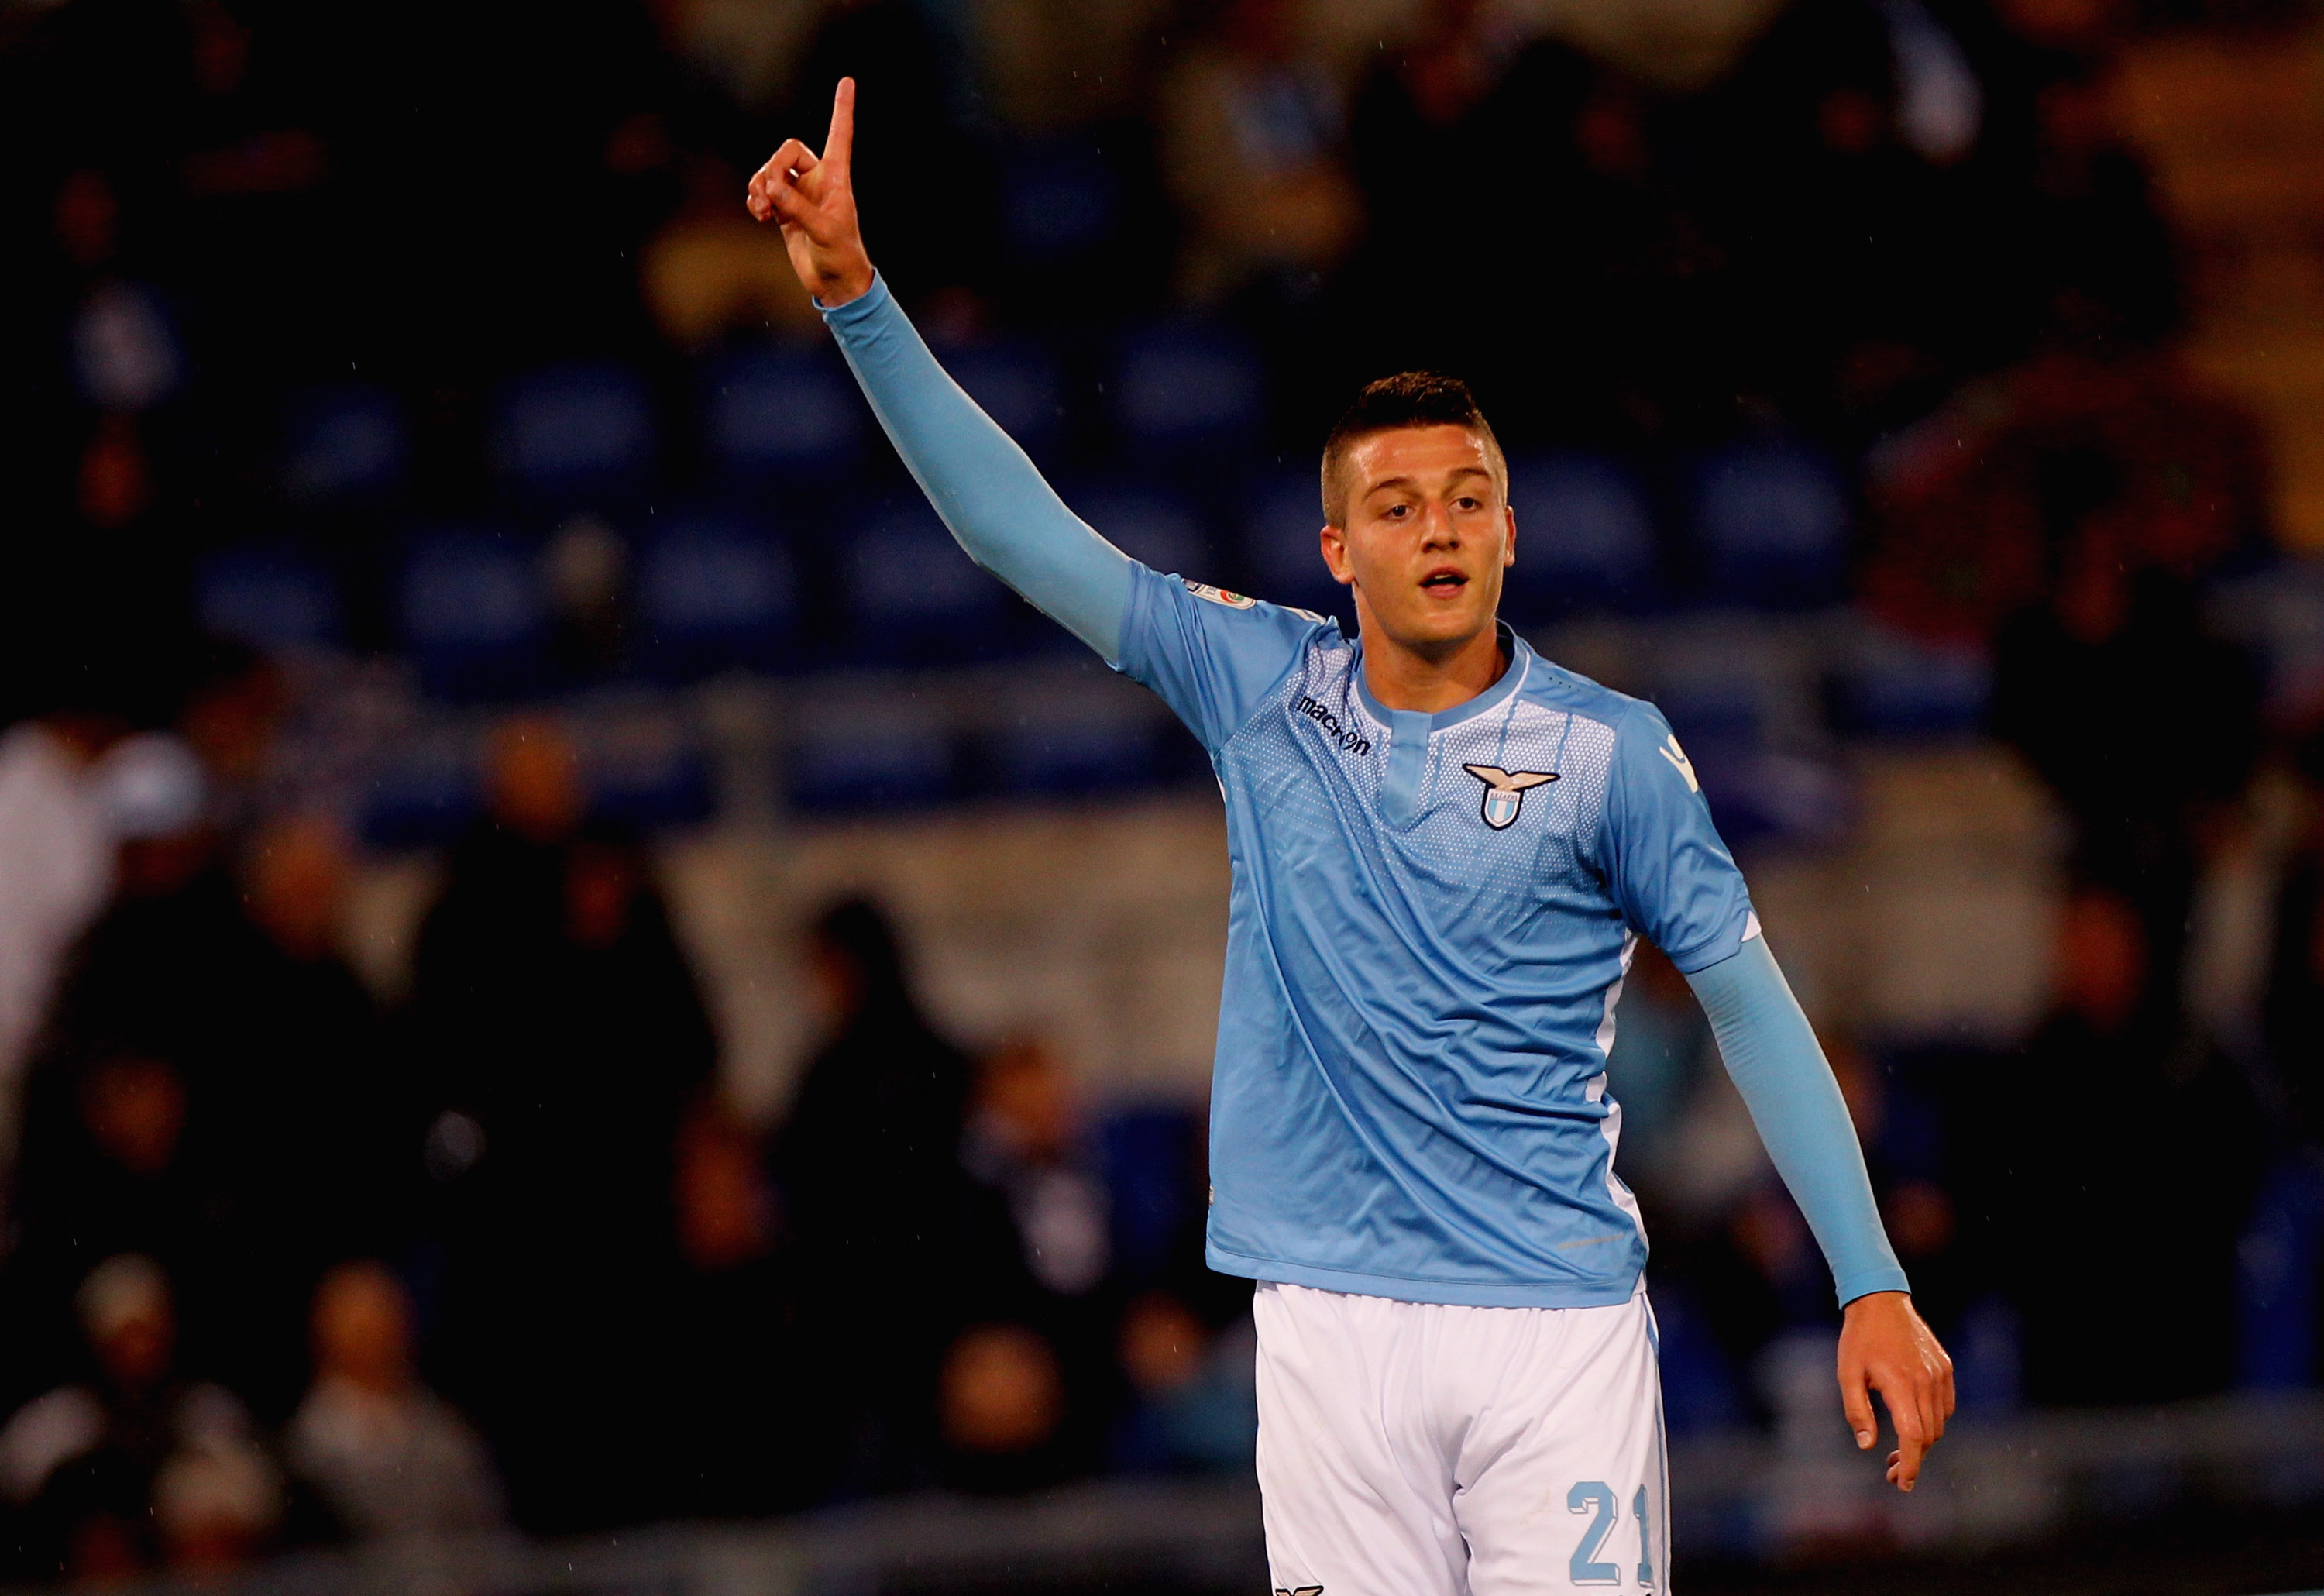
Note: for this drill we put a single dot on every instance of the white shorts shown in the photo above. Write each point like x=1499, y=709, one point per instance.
x=1411, y=1448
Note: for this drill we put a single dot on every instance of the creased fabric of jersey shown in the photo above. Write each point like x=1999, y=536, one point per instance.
x=1430, y=918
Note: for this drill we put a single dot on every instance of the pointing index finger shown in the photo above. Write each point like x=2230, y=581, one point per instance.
x=839, y=145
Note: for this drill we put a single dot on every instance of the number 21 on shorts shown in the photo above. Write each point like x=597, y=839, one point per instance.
x=1597, y=1497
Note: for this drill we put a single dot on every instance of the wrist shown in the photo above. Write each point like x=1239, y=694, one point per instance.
x=850, y=282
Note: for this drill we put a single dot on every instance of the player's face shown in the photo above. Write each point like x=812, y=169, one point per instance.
x=1429, y=533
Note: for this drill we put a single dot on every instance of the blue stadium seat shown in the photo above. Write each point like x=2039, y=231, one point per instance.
x=578, y=432
x=1018, y=385
x=1059, y=200
x=647, y=770
x=1151, y=1156
x=343, y=443
x=713, y=593
x=914, y=595
x=1740, y=704
x=1150, y=524
x=1283, y=514
x=473, y=613
x=425, y=795
x=1186, y=385
x=1585, y=537
x=879, y=755
x=775, y=412
x=1072, y=746
x=268, y=598
x=1771, y=522
x=1700, y=1391
x=1892, y=685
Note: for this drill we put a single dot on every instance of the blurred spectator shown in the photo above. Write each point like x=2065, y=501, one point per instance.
x=1193, y=1390
x=1048, y=1215
x=2104, y=1096
x=1251, y=133
x=154, y=971
x=740, y=1409
x=56, y=869
x=230, y=719
x=921, y=162
x=2293, y=1012
x=300, y=1113
x=1850, y=247
x=1982, y=501
x=141, y=1466
x=107, y=1172
x=2281, y=1254
x=1022, y=1143
x=711, y=269
x=1457, y=98
x=2097, y=265
x=1002, y=1409
x=388, y=1457
x=285, y=1125
x=867, y=1165
x=502, y=898
x=2082, y=680
x=565, y=1035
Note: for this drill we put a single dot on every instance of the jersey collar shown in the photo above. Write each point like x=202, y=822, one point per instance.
x=1520, y=662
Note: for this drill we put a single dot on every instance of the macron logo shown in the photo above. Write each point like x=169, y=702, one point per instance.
x=1350, y=740
x=1671, y=751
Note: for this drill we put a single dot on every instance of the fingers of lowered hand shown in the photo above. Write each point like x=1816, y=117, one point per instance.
x=1911, y=1396
x=1856, y=1401
x=1904, y=1462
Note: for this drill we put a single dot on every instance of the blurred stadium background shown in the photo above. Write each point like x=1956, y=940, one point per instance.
x=585, y=1006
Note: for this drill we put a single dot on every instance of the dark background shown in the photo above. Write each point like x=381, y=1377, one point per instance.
x=433, y=516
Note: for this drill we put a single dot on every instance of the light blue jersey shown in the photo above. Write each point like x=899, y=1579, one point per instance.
x=1431, y=919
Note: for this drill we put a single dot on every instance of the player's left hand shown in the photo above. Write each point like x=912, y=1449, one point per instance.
x=1885, y=1346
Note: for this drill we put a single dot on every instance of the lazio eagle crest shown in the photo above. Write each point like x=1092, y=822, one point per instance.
x=1504, y=792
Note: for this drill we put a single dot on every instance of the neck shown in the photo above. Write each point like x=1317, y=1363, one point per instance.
x=1404, y=677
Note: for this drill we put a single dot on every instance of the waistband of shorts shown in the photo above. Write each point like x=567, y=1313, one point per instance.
x=1460, y=1293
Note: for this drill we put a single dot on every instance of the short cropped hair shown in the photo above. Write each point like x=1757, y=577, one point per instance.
x=1408, y=399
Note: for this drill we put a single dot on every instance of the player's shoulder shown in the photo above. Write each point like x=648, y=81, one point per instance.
x=1224, y=605
x=1555, y=686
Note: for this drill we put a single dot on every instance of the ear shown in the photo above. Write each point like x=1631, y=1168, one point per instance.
x=1510, y=544
x=1335, y=556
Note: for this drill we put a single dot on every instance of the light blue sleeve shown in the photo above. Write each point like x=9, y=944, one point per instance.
x=1672, y=877
x=1772, y=1053
x=990, y=496
x=1211, y=655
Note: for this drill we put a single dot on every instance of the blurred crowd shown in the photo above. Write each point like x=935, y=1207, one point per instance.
x=297, y=1254
x=319, y=316
x=287, y=1265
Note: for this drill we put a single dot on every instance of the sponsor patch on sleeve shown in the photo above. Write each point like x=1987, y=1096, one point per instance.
x=1219, y=595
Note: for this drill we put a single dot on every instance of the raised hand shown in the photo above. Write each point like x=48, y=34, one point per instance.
x=1885, y=1346
x=813, y=198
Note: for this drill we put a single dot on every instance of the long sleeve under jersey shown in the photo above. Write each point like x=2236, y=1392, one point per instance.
x=1772, y=1053
x=1231, y=668
x=990, y=496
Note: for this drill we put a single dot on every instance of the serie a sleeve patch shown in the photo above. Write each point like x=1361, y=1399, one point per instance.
x=1218, y=596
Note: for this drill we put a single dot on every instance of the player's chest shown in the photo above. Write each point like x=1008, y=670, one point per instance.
x=1500, y=804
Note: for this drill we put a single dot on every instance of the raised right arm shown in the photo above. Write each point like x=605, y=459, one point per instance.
x=995, y=502
x=989, y=493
